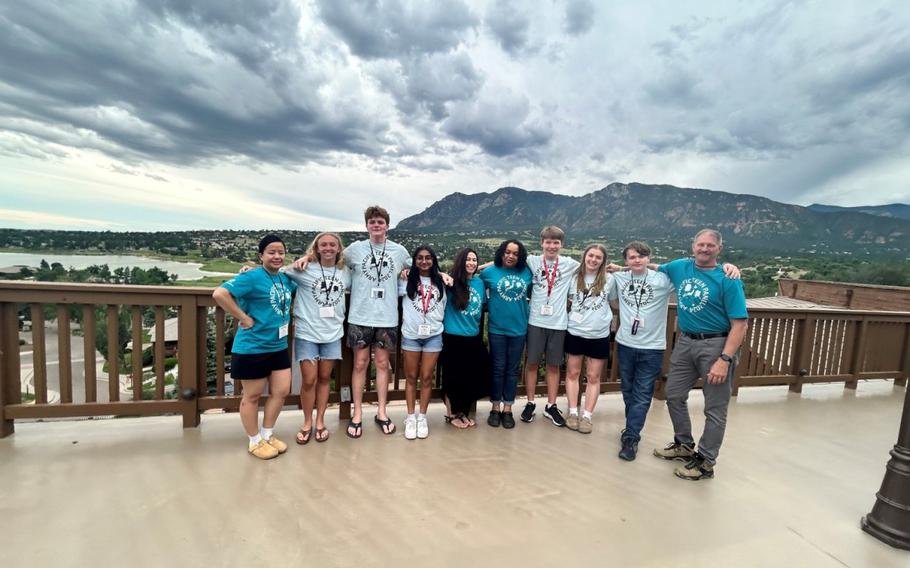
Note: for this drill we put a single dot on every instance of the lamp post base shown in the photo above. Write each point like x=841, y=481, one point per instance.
x=889, y=520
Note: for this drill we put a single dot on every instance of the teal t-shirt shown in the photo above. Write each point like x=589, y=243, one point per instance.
x=706, y=300
x=375, y=266
x=266, y=298
x=644, y=298
x=508, y=303
x=466, y=322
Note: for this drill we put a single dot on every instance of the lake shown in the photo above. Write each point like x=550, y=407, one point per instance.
x=183, y=270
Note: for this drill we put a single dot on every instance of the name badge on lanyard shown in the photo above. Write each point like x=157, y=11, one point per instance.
x=326, y=312
x=423, y=330
x=377, y=293
x=283, y=331
x=546, y=310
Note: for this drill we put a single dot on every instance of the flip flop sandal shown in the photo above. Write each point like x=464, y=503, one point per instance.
x=387, y=426
x=358, y=429
x=322, y=434
x=303, y=437
x=452, y=418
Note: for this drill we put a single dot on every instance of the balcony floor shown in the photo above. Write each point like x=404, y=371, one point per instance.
x=795, y=475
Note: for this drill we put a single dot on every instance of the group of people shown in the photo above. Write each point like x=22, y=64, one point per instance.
x=544, y=309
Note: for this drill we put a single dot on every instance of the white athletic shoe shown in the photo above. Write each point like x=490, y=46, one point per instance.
x=423, y=429
x=410, y=428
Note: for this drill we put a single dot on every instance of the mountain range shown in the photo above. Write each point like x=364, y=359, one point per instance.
x=896, y=210
x=653, y=212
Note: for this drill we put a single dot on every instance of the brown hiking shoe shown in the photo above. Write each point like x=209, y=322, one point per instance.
x=697, y=468
x=572, y=422
x=585, y=426
x=264, y=451
x=277, y=444
x=675, y=451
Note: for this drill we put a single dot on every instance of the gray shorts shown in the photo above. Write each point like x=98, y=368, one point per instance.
x=547, y=342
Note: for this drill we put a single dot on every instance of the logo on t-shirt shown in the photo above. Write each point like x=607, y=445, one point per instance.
x=280, y=298
x=417, y=301
x=511, y=288
x=475, y=304
x=589, y=302
x=540, y=277
x=377, y=267
x=328, y=291
x=692, y=295
x=636, y=293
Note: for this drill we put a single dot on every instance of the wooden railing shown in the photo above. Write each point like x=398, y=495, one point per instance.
x=791, y=347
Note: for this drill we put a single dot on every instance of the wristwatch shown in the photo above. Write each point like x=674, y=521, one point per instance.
x=726, y=358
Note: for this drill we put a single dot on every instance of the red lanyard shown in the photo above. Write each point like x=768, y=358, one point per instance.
x=425, y=298
x=551, y=278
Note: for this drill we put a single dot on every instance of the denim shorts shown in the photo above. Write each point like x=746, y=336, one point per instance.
x=306, y=350
x=431, y=344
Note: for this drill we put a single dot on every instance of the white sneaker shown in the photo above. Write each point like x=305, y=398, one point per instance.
x=423, y=429
x=410, y=428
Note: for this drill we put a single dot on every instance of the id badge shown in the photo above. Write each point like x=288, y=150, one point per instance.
x=423, y=330
x=576, y=317
x=637, y=325
x=546, y=310
x=377, y=293
x=327, y=312
x=283, y=331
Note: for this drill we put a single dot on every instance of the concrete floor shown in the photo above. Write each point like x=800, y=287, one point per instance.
x=795, y=476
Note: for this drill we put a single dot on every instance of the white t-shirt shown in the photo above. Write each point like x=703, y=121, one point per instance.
x=590, y=316
x=319, y=306
x=647, y=297
x=428, y=308
x=564, y=270
x=374, y=282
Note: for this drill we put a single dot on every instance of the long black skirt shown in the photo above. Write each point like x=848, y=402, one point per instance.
x=466, y=371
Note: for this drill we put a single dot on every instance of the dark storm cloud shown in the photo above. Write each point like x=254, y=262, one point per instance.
x=509, y=25
x=390, y=28
x=501, y=125
x=174, y=83
x=429, y=81
x=579, y=16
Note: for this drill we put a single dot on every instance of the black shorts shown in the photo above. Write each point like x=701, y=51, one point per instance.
x=250, y=366
x=361, y=336
x=593, y=348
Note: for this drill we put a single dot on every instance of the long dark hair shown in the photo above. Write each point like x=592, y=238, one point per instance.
x=414, y=274
x=462, y=294
x=522, y=254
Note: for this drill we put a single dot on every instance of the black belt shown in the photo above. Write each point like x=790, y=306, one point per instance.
x=705, y=335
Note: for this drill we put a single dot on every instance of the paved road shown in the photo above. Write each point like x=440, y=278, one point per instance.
x=53, y=367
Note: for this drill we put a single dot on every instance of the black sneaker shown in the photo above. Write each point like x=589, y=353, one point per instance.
x=629, y=449
x=527, y=415
x=508, y=421
x=552, y=412
x=494, y=419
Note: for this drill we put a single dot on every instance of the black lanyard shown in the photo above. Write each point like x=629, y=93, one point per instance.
x=325, y=284
x=284, y=292
x=585, y=292
x=641, y=291
x=377, y=264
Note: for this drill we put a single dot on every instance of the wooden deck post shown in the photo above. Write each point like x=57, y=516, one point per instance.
x=858, y=360
x=10, y=388
x=187, y=356
x=805, y=328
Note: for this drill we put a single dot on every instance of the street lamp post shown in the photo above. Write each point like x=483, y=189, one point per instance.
x=889, y=520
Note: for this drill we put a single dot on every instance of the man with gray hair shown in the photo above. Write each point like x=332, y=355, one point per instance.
x=711, y=310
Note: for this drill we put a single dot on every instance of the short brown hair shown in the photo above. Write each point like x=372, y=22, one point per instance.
x=376, y=211
x=639, y=247
x=553, y=232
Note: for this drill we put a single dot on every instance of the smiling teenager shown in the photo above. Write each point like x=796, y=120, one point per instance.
x=375, y=264
x=552, y=274
x=465, y=360
x=260, y=300
x=588, y=334
x=423, y=310
x=507, y=281
x=318, y=327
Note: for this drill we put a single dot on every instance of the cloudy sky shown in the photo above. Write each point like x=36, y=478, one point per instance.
x=170, y=114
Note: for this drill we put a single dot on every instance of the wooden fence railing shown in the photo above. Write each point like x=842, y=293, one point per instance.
x=792, y=347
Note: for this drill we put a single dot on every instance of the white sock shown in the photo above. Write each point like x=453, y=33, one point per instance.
x=587, y=415
x=412, y=417
x=255, y=440
x=573, y=411
x=266, y=433
x=421, y=416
